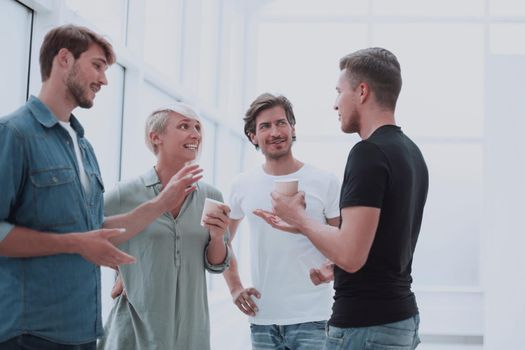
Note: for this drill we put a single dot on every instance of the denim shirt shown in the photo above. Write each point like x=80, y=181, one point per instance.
x=54, y=297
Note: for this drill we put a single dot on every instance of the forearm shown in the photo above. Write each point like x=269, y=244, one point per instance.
x=217, y=252
x=23, y=242
x=134, y=221
x=231, y=276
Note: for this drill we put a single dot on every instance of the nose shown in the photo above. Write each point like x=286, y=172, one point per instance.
x=195, y=134
x=274, y=130
x=102, y=79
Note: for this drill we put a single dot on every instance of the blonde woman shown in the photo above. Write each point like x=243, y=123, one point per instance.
x=163, y=303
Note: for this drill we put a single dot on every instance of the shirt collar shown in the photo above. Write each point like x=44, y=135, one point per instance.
x=151, y=178
x=45, y=117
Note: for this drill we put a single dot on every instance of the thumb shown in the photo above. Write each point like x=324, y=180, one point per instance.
x=112, y=232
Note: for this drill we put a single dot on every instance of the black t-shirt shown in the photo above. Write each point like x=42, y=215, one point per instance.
x=385, y=171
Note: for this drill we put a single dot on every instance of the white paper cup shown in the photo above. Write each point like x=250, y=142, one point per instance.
x=209, y=206
x=287, y=187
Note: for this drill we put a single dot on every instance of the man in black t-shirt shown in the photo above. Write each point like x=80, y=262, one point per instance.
x=382, y=199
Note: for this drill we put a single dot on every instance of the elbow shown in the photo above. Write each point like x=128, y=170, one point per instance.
x=352, y=264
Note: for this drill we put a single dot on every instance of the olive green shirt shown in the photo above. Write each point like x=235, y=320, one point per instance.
x=166, y=306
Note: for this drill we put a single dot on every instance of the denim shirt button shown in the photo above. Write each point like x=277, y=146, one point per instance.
x=55, y=180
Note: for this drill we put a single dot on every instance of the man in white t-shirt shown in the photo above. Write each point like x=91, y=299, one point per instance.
x=288, y=272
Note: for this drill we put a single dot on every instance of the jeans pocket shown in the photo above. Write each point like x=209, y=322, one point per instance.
x=388, y=338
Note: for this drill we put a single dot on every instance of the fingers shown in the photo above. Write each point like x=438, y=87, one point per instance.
x=245, y=302
x=315, y=276
x=118, y=288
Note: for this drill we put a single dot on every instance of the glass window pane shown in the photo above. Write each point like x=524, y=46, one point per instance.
x=315, y=8
x=14, y=61
x=429, y=7
x=442, y=93
x=309, y=75
x=136, y=157
x=110, y=17
x=451, y=224
x=162, y=30
x=506, y=7
x=507, y=39
x=103, y=125
x=209, y=50
x=207, y=158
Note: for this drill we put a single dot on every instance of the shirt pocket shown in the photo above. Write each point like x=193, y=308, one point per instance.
x=55, y=197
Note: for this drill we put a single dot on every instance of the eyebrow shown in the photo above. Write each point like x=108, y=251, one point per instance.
x=186, y=120
x=102, y=60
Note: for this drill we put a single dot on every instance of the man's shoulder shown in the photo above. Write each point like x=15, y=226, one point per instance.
x=246, y=177
x=20, y=121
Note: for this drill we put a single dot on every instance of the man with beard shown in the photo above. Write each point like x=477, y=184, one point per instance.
x=291, y=311
x=51, y=207
x=382, y=200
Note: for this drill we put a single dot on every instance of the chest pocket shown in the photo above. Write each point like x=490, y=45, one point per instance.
x=55, y=197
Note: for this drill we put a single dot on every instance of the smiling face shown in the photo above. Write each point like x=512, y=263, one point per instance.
x=273, y=133
x=180, y=140
x=346, y=104
x=86, y=76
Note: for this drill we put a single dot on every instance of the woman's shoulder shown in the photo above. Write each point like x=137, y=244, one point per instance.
x=208, y=191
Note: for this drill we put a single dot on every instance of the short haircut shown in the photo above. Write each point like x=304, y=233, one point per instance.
x=74, y=38
x=377, y=67
x=157, y=121
x=263, y=102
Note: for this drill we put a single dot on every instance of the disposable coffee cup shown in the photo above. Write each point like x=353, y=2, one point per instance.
x=287, y=187
x=210, y=205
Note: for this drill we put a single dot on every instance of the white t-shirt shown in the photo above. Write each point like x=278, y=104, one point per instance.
x=84, y=180
x=280, y=261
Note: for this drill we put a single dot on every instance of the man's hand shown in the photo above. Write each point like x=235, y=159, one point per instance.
x=217, y=221
x=96, y=247
x=244, y=301
x=180, y=185
x=275, y=221
x=118, y=288
x=323, y=274
x=291, y=209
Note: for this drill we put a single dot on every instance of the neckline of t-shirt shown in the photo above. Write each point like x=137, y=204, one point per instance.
x=385, y=128
x=291, y=175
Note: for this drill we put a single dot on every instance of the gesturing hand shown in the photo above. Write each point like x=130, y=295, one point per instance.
x=244, y=301
x=180, y=185
x=96, y=247
x=275, y=221
x=323, y=274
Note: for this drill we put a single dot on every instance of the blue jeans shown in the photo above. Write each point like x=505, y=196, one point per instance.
x=300, y=336
x=30, y=342
x=402, y=335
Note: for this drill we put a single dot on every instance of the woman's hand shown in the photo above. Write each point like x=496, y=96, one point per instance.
x=180, y=185
x=217, y=221
x=118, y=288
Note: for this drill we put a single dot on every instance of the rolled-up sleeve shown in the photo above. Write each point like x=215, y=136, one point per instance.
x=219, y=268
x=11, y=173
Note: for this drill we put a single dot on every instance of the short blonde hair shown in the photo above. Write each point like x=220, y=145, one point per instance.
x=157, y=121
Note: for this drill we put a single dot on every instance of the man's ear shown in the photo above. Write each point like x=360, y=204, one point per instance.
x=252, y=139
x=64, y=58
x=364, y=91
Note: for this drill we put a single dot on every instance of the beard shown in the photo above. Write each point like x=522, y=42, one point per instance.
x=277, y=154
x=76, y=90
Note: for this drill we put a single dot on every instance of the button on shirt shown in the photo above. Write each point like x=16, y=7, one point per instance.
x=54, y=297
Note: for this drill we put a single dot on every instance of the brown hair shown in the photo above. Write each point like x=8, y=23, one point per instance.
x=261, y=103
x=76, y=39
x=377, y=67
